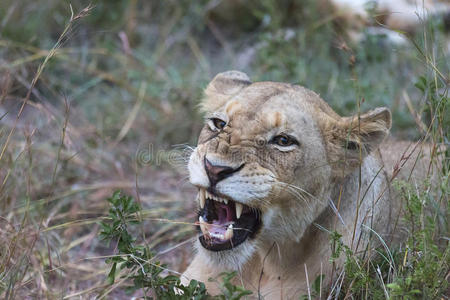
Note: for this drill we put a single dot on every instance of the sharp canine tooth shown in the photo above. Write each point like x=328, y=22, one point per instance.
x=202, y=198
x=203, y=226
x=229, y=233
x=239, y=208
x=226, y=201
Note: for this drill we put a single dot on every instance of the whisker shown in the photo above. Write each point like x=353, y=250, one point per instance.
x=295, y=192
x=299, y=189
x=335, y=210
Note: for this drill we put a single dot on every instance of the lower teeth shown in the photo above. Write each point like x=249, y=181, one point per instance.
x=204, y=228
x=217, y=236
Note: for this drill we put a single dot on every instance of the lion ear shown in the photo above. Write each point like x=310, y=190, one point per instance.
x=222, y=88
x=369, y=131
x=353, y=138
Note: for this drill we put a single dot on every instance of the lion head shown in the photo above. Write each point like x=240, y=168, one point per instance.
x=266, y=160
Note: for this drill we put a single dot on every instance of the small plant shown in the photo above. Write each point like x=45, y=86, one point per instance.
x=142, y=268
x=229, y=290
x=145, y=272
x=418, y=270
x=425, y=263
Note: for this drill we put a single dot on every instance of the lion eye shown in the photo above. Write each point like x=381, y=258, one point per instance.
x=218, y=123
x=284, y=140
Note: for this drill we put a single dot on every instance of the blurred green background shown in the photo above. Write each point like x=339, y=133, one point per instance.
x=175, y=47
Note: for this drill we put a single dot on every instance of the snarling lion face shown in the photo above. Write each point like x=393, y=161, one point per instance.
x=265, y=161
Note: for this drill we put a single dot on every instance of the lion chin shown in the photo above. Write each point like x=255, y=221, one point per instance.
x=276, y=170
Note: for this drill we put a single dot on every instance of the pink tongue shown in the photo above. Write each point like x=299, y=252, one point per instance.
x=225, y=217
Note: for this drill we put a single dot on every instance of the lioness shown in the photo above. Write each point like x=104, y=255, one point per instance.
x=276, y=168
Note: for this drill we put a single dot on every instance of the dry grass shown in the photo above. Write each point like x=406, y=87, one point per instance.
x=57, y=168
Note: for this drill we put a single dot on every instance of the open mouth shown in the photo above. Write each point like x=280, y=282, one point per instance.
x=225, y=223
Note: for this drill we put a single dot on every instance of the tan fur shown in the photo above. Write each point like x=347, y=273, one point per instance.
x=323, y=168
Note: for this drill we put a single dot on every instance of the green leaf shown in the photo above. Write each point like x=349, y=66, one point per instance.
x=317, y=283
x=112, y=274
x=393, y=286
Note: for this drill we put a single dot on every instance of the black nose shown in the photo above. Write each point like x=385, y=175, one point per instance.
x=217, y=173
